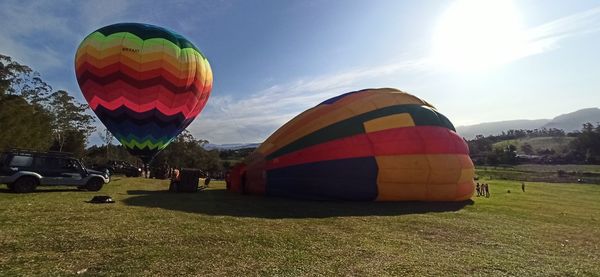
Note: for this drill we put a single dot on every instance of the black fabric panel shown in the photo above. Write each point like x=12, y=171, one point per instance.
x=140, y=118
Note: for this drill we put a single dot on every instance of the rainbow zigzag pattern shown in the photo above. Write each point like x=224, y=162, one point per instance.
x=145, y=83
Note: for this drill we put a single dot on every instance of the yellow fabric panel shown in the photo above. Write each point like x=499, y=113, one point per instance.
x=340, y=110
x=389, y=122
x=395, y=192
x=445, y=169
x=442, y=192
x=402, y=177
x=446, y=177
x=386, y=100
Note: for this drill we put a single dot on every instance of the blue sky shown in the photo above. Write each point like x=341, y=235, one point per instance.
x=274, y=59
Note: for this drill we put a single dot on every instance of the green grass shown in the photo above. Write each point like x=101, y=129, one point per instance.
x=551, y=229
x=558, y=144
x=568, y=173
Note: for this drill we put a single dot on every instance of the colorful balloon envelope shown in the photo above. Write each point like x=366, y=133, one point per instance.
x=145, y=83
x=374, y=144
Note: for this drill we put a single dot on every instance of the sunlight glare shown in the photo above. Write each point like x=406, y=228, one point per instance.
x=474, y=35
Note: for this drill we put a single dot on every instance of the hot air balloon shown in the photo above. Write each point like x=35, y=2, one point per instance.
x=145, y=83
x=367, y=145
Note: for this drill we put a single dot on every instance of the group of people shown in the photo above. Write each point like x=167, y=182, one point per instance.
x=483, y=190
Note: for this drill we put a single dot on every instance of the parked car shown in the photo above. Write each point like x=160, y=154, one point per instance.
x=24, y=170
x=121, y=167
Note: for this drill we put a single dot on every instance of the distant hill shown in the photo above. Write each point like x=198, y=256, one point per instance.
x=573, y=121
x=567, y=122
x=495, y=128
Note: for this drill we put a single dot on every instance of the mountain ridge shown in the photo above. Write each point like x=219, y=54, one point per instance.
x=568, y=122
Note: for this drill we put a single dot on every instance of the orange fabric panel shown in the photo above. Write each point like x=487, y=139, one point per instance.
x=325, y=115
x=464, y=191
x=404, y=192
x=389, y=122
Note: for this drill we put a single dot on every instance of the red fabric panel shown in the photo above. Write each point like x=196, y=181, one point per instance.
x=399, y=141
x=234, y=183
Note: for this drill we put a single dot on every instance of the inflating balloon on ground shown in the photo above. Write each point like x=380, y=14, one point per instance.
x=369, y=145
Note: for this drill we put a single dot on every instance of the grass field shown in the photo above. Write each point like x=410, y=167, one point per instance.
x=569, y=173
x=551, y=229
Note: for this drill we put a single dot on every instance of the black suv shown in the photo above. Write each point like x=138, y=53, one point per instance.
x=24, y=170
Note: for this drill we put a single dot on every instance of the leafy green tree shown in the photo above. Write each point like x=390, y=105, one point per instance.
x=68, y=116
x=18, y=79
x=23, y=125
x=186, y=151
x=24, y=121
x=586, y=147
x=527, y=149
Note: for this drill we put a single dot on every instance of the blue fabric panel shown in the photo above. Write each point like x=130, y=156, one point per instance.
x=346, y=179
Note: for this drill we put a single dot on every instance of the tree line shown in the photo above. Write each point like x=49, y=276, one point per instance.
x=584, y=148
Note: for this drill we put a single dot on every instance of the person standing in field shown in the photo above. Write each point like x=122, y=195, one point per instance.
x=523, y=186
x=478, y=189
x=487, y=190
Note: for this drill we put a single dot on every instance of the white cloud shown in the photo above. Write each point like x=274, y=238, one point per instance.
x=252, y=119
x=546, y=37
x=23, y=22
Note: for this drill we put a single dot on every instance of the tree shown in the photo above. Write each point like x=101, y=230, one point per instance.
x=586, y=145
x=186, y=151
x=23, y=117
x=107, y=137
x=74, y=142
x=68, y=115
x=18, y=79
x=527, y=149
x=23, y=125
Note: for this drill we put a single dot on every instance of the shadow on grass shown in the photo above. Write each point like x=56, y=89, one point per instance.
x=221, y=202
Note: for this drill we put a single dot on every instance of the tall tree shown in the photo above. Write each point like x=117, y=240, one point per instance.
x=23, y=125
x=24, y=120
x=107, y=137
x=68, y=115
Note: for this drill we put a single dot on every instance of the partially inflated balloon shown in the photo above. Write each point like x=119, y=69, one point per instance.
x=374, y=144
x=145, y=83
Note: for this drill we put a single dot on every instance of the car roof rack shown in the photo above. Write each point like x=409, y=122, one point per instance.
x=19, y=151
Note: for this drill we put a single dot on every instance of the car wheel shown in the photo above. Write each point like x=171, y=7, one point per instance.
x=94, y=184
x=24, y=185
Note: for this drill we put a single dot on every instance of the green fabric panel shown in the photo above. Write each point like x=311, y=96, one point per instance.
x=421, y=115
x=145, y=31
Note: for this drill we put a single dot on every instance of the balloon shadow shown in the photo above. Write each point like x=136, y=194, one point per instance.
x=223, y=203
